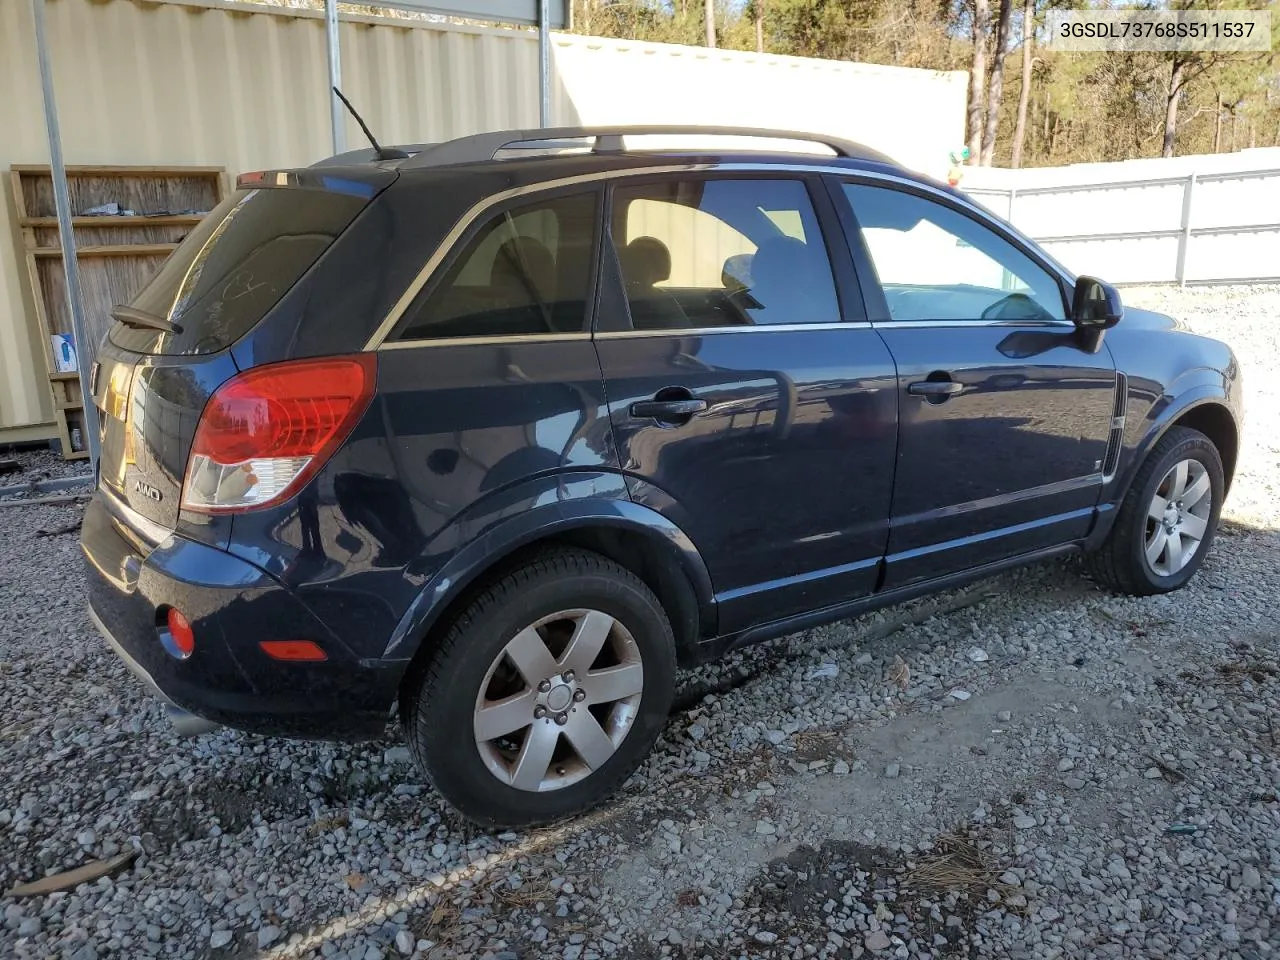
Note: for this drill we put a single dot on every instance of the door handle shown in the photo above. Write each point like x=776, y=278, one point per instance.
x=935, y=390
x=668, y=411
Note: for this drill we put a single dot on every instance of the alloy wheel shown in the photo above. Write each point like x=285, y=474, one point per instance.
x=558, y=700
x=1178, y=517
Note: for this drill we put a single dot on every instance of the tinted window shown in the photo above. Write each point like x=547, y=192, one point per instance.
x=527, y=271
x=722, y=253
x=935, y=263
x=236, y=264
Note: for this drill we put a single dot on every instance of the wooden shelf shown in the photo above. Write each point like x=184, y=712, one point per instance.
x=90, y=170
x=119, y=255
x=116, y=221
x=112, y=250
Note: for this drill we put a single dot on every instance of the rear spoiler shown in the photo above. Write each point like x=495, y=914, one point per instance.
x=359, y=181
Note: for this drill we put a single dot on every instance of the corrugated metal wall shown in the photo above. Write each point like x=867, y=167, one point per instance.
x=212, y=82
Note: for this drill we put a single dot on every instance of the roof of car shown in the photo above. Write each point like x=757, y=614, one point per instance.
x=597, y=140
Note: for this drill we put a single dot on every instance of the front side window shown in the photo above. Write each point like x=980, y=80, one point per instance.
x=934, y=263
x=702, y=252
x=527, y=271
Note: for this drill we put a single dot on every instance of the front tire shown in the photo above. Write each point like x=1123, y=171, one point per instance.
x=545, y=694
x=1167, y=520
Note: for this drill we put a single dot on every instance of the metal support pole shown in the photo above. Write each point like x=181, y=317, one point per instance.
x=544, y=64
x=85, y=349
x=1013, y=195
x=337, y=116
x=1184, y=241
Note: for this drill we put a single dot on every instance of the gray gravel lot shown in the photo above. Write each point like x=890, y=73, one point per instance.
x=1064, y=773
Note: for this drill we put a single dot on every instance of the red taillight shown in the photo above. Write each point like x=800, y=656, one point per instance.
x=293, y=650
x=180, y=632
x=265, y=432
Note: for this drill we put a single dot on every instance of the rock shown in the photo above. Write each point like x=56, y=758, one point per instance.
x=697, y=731
x=1065, y=764
x=892, y=770
x=765, y=936
x=775, y=737
x=1004, y=716
x=863, y=659
x=1118, y=869
x=1250, y=879
x=765, y=828
x=1153, y=773
x=1073, y=783
x=960, y=695
x=267, y=936
x=978, y=655
x=29, y=927
x=86, y=838
x=840, y=768
x=876, y=941
x=1024, y=822
x=220, y=939
x=405, y=942
x=397, y=755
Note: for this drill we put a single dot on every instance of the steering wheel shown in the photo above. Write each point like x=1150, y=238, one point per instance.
x=1016, y=306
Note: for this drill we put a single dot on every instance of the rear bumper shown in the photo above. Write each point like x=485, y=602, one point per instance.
x=185, y=723
x=232, y=606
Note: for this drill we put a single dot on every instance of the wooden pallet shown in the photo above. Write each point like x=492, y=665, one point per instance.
x=117, y=254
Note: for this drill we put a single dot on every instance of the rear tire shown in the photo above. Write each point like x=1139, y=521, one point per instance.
x=1167, y=520
x=545, y=693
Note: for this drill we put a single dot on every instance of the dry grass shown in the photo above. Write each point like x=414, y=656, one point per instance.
x=325, y=824
x=440, y=925
x=957, y=864
x=525, y=897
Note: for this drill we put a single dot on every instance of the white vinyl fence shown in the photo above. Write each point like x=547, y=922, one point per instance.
x=1207, y=219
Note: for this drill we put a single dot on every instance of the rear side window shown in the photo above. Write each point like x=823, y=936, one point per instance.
x=526, y=272
x=235, y=265
x=704, y=252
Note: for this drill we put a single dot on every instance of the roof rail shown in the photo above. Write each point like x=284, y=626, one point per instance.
x=482, y=147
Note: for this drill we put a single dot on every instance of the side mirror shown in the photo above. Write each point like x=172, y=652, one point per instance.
x=1096, y=304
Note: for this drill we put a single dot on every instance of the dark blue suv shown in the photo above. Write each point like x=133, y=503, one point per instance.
x=497, y=433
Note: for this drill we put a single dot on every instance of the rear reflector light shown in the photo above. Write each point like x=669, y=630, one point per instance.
x=267, y=431
x=293, y=650
x=181, y=639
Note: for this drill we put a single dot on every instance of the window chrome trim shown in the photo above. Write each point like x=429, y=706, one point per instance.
x=487, y=341
x=377, y=340
x=745, y=328
x=907, y=324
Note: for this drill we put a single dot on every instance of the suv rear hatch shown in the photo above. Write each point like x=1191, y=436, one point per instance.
x=168, y=350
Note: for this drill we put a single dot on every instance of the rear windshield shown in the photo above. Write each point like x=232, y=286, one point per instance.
x=235, y=265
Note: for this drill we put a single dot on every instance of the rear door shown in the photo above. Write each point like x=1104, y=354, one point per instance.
x=1004, y=410
x=490, y=380
x=750, y=401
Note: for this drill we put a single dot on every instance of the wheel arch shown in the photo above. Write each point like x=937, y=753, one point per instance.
x=1215, y=421
x=1204, y=408
x=634, y=536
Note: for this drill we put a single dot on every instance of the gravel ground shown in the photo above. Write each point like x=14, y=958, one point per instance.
x=39, y=465
x=1059, y=773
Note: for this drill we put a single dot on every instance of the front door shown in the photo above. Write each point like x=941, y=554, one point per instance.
x=751, y=404
x=1004, y=410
